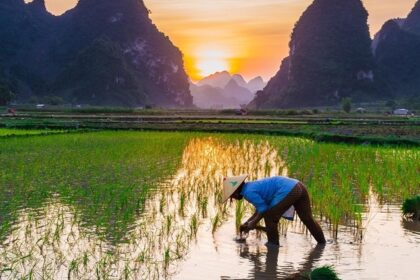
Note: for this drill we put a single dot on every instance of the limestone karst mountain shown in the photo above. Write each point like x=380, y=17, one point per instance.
x=397, y=54
x=330, y=58
x=102, y=52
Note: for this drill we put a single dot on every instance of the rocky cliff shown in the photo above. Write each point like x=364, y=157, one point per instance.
x=102, y=52
x=330, y=58
x=397, y=54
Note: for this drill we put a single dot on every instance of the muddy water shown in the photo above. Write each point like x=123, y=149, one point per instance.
x=184, y=233
x=390, y=249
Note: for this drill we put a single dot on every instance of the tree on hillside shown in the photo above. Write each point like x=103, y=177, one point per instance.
x=6, y=95
x=391, y=104
x=346, y=104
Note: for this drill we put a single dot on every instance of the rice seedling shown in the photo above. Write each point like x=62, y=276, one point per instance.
x=168, y=224
x=216, y=221
x=194, y=225
x=411, y=208
x=239, y=214
x=85, y=259
x=323, y=273
x=166, y=258
x=72, y=267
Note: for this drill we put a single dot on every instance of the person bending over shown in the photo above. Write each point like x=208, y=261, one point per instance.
x=272, y=197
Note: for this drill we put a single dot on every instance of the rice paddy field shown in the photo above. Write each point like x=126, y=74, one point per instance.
x=145, y=205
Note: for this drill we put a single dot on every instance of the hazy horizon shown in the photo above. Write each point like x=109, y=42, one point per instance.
x=247, y=37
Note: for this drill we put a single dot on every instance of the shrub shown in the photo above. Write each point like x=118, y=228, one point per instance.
x=292, y=113
x=391, y=104
x=53, y=100
x=346, y=104
x=323, y=273
x=411, y=208
x=306, y=112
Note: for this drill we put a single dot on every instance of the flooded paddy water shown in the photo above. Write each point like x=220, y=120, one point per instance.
x=134, y=205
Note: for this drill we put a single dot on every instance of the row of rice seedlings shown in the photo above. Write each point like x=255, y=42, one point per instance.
x=121, y=204
x=339, y=176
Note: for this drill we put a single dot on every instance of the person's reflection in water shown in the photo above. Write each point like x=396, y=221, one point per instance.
x=271, y=269
x=411, y=226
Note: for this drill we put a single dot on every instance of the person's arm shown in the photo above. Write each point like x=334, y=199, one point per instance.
x=252, y=217
x=253, y=221
x=244, y=226
x=260, y=205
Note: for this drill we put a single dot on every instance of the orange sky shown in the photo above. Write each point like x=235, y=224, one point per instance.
x=246, y=36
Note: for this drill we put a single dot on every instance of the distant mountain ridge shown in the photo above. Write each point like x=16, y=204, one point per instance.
x=223, y=90
x=102, y=52
x=221, y=79
x=218, y=79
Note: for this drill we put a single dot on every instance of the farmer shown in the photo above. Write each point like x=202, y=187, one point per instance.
x=272, y=197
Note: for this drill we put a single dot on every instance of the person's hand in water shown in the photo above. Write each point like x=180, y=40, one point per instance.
x=253, y=221
x=244, y=228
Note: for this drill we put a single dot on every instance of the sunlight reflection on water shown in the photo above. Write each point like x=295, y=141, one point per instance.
x=184, y=231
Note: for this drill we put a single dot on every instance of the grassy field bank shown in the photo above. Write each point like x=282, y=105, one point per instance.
x=344, y=128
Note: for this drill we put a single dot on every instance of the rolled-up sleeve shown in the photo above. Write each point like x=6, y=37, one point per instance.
x=256, y=200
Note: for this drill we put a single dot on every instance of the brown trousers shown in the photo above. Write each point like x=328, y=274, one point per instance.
x=299, y=198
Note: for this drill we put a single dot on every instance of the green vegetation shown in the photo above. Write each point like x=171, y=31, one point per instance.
x=91, y=169
x=6, y=95
x=343, y=128
x=131, y=203
x=411, y=207
x=323, y=273
x=346, y=104
x=22, y=132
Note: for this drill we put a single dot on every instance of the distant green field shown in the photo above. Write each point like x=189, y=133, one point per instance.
x=233, y=121
x=11, y=132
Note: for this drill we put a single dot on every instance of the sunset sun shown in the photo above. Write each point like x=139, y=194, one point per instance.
x=209, y=61
x=210, y=66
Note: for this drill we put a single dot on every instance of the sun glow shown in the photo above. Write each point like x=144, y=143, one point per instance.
x=210, y=66
x=211, y=60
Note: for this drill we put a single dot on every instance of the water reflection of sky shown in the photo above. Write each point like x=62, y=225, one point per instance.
x=174, y=237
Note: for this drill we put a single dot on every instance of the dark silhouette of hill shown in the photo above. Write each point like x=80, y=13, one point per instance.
x=397, y=54
x=102, y=52
x=330, y=58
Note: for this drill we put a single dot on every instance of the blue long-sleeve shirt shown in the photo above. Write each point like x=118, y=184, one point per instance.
x=264, y=194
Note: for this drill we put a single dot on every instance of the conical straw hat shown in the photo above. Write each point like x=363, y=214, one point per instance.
x=230, y=185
